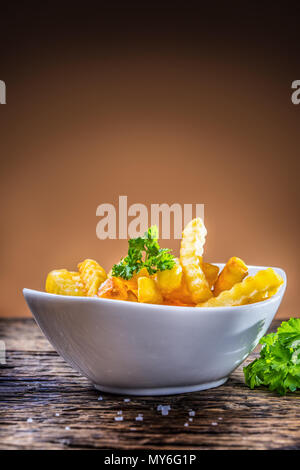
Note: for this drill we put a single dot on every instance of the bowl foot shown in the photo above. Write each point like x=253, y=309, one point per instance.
x=160, y=390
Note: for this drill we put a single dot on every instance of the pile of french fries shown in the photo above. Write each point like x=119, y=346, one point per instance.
x=191, y=281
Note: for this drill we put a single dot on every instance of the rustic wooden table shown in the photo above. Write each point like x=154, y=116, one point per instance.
x=44, y=404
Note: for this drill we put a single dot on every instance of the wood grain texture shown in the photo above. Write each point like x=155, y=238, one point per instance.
x=36, y=383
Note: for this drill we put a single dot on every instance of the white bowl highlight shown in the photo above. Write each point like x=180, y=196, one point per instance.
x=143, y=349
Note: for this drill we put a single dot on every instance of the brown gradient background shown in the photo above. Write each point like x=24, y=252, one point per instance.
x=162, y=105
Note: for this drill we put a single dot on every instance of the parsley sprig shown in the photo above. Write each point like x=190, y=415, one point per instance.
x=278, y=366
x=144, y=252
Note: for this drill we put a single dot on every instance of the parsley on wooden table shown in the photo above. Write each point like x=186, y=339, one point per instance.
x=278, y=366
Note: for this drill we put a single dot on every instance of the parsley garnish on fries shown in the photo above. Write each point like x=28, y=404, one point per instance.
x=144, y=252
x=278, y=366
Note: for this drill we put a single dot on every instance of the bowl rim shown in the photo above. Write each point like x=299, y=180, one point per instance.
x=173, y=308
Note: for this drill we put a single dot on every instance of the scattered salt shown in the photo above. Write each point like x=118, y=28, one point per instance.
x=190, y=419
x=100, y=398
x=126, y=400
x=67, y=428
x=220, y=418
x=119, y=412
x=214, y=424
x=192, y=413
x=139, y=418
x=165, y=409
x=186, y=424
x=118, y=418
x=29, y=420
x=56, y=414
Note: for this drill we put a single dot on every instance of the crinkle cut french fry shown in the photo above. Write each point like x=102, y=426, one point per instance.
x=233, y=272
x=64, y=282
x=92, y=275
x=211, y=272
x=170, y=279
x=251, y=289
x=259, y=296
x=191, y=250
x=148, y=292
x=113, y=288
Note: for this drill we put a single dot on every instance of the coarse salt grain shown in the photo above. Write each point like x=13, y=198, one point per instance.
x=126, y=400
x=56, y=414
x=192, y=413
x=165, y=410
x=67, y=428
x=119, y=412
x=100, y=398
x=29, y=420
x=139, y=418
x=186, y=424
x=118, y=418
x=190, y=419
x=214, y=424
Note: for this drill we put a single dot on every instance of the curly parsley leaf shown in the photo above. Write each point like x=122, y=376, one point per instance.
x=144, y=252
x=278, y=366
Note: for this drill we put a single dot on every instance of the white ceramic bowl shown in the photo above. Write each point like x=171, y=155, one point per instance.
x=143, y=349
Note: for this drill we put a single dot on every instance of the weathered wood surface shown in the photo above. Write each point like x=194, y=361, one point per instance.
x=66, y=413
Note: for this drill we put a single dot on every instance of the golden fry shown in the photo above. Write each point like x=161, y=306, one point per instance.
x=132, y=284
x=233, y=272
x=132, y=297
x=177, y=303
x=251, y=289
x=92, y=275
x=180, y=295
x=259, y=296
x=113, y=288
x=64, y=282
x=211, y=272
x=170, y=279
x=148, y=291
x=191, y=250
